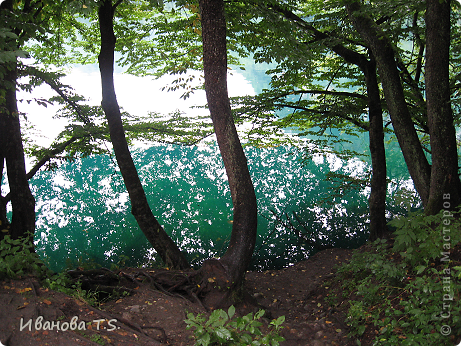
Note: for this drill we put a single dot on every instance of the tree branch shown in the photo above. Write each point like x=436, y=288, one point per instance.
x=347, y=54
x=321, y=92
x=356, y=122
x=74, y=105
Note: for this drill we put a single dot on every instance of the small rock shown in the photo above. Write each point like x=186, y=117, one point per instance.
x=319, y=334
x=135, y=308
x=127, y=316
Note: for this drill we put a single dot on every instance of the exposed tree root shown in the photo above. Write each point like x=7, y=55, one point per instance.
x=209, y=287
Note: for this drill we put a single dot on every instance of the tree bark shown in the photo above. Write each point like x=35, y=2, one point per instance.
x=445, y=184
x=159, y=239
x=238, y=255
x=378, y=42
x=22, y=200
x=5, y=224
x=377, y=200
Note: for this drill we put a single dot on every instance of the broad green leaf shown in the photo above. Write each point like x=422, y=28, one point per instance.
x=223, y=333
x=231, y=311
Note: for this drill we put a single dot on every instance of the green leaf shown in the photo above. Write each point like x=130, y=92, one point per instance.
x=246, y=338
x=420, y=269
x=204, y=340
x=280, y=320
x=223, y=333
x=259, y=314
x=231, y=311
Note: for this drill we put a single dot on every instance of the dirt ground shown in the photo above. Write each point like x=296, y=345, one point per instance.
x=29, y=314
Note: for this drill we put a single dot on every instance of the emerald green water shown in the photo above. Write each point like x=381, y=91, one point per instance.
x=83, y=212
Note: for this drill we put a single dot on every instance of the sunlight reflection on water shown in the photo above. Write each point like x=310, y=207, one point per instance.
x=85, y=215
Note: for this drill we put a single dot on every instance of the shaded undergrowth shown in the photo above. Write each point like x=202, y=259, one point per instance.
x=405, y=290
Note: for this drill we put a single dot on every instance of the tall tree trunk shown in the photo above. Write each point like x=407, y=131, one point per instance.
x=5, y=224
x=22, y=200
x=377, y=200
x=233, y=264
x=445, y=184
x=159, y=239
x=418, y=166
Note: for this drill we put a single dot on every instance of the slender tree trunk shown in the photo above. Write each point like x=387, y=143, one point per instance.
x=377, y=200
x=445, y=183
x=12, y=152
x=238, y=255
x=3, y=219
x=159, y=239
x=404, y=129
x=22, y=201
x=4, y=222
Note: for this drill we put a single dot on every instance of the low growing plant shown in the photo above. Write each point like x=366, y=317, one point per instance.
x=18, y=258
x=402, y=289
x=223, y=328
x=61, y=282
x=420, y=238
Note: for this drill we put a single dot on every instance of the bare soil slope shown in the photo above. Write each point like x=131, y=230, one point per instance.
x=151, y=316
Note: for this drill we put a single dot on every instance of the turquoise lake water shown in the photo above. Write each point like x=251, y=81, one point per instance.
x=84, y=214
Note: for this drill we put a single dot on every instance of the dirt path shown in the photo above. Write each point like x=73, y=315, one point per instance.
x=32, y=315
x=297, y=293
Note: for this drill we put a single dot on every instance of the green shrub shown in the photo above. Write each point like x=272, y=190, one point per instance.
x=420, y=238
x=400, y=289
x=222, y=329
x=17, y=257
